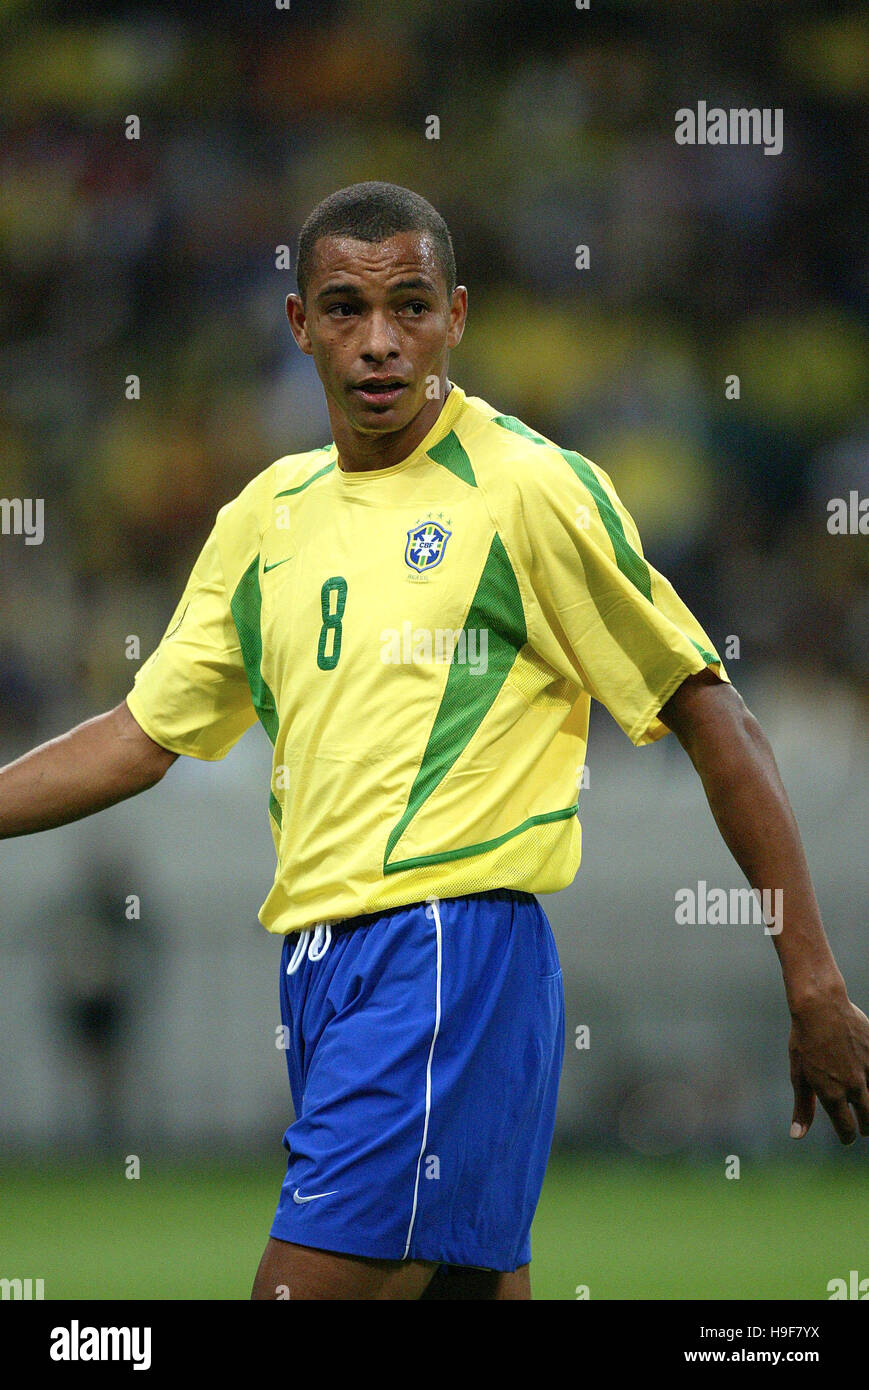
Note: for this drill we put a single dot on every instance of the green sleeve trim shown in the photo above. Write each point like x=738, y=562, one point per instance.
x=632, y=565
x=710, y=658
x=321, y=472
x=629, y=561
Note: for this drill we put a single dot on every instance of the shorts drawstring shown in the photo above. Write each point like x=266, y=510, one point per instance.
x=315, y=947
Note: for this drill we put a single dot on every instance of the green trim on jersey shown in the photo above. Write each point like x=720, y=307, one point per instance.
x=321, y=472
x=467, y=699
x=711, y=658
x=566, y=813
x=450, y=454
x=245, y=607
x=632, y=565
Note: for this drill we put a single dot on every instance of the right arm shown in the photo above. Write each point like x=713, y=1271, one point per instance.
x=193, y=691
x=96, y=764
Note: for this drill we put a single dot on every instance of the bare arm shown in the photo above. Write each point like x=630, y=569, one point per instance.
x=95, y=765
x=829, y=1045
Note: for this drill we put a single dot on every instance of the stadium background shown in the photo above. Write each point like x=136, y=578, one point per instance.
x=156, y=1037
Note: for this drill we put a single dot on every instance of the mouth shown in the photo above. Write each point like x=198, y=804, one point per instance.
x=382, y=391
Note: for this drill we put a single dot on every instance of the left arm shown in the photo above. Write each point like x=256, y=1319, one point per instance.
x=829, y=1041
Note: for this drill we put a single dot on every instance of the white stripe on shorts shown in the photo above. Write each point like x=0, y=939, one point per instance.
x=436, y=916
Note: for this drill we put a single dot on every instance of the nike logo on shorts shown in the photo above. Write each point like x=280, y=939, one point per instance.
x=314, y=1196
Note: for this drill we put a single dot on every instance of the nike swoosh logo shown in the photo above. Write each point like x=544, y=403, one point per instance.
x=313, y=1197
x=266, y=568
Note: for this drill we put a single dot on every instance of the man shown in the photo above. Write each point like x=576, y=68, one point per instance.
x=419, y=614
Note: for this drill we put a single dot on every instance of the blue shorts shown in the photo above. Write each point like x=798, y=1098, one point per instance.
x=424, y=1049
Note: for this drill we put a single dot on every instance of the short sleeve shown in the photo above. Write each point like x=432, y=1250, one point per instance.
x=629, y=637
x=192, y=695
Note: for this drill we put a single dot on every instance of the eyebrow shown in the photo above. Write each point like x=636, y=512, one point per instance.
x=416, y=282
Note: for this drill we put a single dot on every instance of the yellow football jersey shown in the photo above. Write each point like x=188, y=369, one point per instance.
x=421, y=644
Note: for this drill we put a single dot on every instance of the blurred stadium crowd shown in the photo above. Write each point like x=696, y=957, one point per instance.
x=156, y=257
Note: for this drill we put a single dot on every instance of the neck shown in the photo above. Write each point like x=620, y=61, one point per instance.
x=361, y=453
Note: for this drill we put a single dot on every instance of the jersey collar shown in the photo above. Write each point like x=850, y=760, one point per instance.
x=443, y=424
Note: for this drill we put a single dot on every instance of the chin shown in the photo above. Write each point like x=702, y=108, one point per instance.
x=372, y=425
x=387, y=420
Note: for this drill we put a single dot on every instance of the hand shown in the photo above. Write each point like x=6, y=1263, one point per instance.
x=829, y=1054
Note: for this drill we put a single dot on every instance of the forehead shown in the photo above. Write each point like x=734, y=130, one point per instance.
x=371, y=264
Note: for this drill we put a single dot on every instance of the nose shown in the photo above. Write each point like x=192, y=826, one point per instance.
x=380, y=339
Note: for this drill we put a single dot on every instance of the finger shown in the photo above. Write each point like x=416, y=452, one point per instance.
x=860, y=1102
x=804, y=1104
x=841, y=1118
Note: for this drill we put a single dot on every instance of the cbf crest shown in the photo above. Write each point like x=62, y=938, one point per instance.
x=426, y=543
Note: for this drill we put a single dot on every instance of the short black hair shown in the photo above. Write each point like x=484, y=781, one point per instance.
x=374, y=212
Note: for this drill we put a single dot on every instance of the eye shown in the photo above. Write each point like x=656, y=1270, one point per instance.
x=418, y=307
x=342, y=310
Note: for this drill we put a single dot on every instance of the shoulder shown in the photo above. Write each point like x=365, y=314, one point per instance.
x=242, y=522
x=518, y=466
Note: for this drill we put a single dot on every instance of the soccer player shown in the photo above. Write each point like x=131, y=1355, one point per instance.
x=419, y=614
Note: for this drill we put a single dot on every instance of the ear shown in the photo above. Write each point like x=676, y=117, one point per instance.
x=458, y=314
x=298, y=322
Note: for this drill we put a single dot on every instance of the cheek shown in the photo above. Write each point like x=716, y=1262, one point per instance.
x=330, y=350
x=428, y=343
